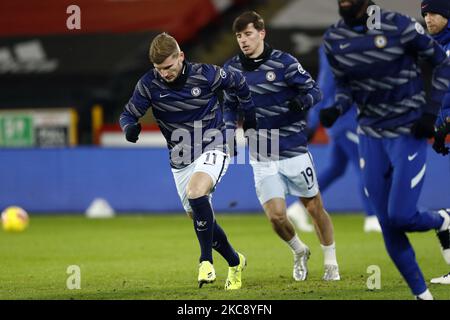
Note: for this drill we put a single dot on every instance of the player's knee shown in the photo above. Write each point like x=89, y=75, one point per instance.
x=314, y=207
x=278, y=218
x=195, y=192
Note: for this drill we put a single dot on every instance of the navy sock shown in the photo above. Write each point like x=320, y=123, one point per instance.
x=203, y=217
x=222, y=246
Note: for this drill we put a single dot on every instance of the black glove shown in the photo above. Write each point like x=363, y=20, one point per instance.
x=329, y=116
x=296, y=106
x=132, y=132
x=424, y=126
x=439, y=139
x=249, y=121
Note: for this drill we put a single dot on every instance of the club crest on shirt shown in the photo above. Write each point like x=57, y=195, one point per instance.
x=300, y=69
x=380, y=42
x=222, y=73
x=419, y=28
x=270, y=76
x=195, y=91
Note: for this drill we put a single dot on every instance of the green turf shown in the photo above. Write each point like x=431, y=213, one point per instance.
x=155, y=257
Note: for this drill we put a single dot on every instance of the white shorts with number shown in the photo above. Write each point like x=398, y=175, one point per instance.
x=214, y=163
x=295, y=176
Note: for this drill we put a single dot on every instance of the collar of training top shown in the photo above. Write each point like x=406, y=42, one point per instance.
x=180, y=81
x=443, y=37
x=250, y=64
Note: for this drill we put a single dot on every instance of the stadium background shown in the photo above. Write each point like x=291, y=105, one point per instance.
x=62, y=92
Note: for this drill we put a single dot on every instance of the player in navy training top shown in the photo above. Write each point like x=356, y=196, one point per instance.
x=183, y=97
x=376, y=66
x=282, y=92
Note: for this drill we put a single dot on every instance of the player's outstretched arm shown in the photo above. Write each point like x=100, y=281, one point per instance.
x=343, y=97
x=309, y=93
x=237, y=95
x=135, y=109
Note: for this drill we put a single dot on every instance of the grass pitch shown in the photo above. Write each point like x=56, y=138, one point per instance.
x=156, y=257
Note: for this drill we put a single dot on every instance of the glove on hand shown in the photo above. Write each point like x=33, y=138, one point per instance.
x=329, y=116
x=132, y=132
x=249, y=121
x=424, y=126
x=296, y=106
x=439, y=140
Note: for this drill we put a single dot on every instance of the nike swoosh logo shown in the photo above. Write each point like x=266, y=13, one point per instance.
x=200, y=230
x=309, y=188
x=344, y=46
x=164, y=95
x=411, y=158
x=258, y=60
x=424, y=6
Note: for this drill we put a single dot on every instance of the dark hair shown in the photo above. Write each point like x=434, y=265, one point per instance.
x=241, y=22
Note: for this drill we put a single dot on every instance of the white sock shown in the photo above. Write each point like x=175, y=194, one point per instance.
x=296, y=245
x=329, y=254
x=426, y=295
x=446, y=223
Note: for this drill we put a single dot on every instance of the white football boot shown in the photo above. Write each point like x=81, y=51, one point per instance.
x=298, y=215
x=445, y=279
x=300, y=272
x=371, y=224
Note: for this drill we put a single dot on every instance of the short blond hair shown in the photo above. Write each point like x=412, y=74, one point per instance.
x=162, y=47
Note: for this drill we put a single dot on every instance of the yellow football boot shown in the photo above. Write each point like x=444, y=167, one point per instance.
x=206, y=273
x=234, y=281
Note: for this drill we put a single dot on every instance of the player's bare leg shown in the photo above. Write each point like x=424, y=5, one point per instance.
x=275, y=210
x=325, y=232
x=199, y=185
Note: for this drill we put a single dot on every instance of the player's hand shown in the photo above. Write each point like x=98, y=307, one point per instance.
x=249, y=121
x=439, y=140
x=296, y=106
x=424, y=126
x=328, y=116
x=132, y=132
